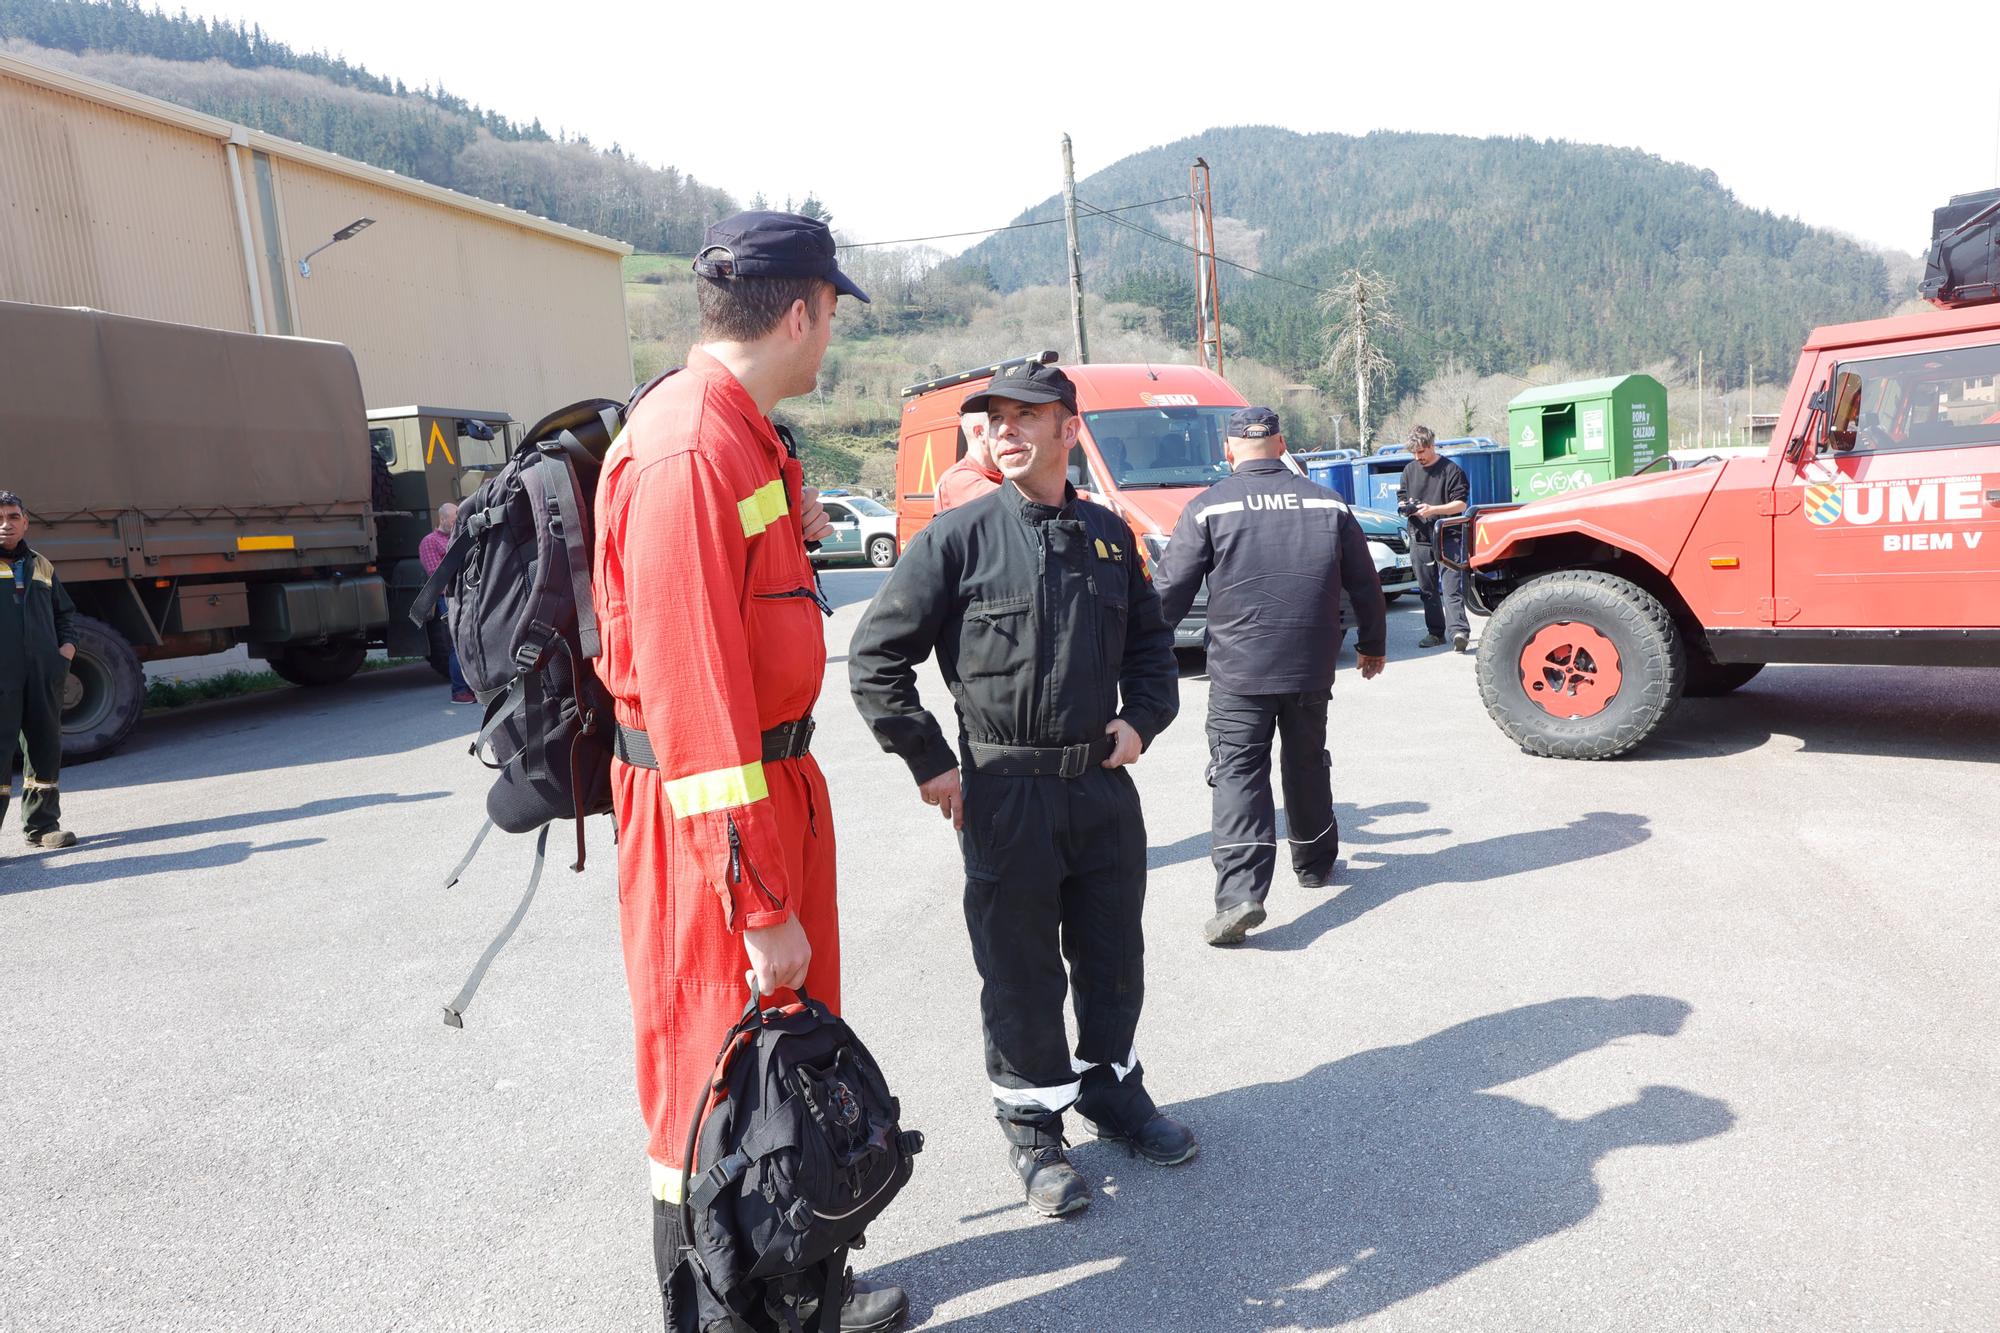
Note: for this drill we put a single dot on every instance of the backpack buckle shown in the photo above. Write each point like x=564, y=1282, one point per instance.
x=528, y=656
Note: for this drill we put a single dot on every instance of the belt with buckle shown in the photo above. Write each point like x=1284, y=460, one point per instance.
x=787, y=740
x=1039, y=761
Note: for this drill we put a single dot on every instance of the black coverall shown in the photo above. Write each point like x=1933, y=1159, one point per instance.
x=1440, y=587
x=36, y=619
x=1276, y=551
x=1041, y=619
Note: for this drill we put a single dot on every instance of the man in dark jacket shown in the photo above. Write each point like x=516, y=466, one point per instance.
x=1277, y=551
x=1434, y=487
x=37, y=641
x=1047, y=629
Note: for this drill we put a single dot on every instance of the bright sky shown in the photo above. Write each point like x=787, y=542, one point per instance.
x=906, y=122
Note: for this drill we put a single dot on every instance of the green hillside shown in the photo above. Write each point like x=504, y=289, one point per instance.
x=1507, y=252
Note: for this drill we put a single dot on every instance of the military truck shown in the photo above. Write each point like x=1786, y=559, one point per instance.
x=199, y=489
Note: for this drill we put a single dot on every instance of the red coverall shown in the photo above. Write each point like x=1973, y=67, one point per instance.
x=711, y=637
x=963, y=482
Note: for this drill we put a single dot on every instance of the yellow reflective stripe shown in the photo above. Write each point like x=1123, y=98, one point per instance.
x=36, y=784
x=720, y=790
x=44, y=571
x=765, y=506
x=285, y=543
x=666, y=1182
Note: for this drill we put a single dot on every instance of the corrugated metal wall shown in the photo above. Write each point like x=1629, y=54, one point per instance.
x=103, y=208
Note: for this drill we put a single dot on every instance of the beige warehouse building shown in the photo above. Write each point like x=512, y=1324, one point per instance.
x=129, y=204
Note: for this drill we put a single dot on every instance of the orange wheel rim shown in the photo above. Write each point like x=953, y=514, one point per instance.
x=1570, y=671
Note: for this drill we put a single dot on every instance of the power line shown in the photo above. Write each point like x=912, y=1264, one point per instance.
x=1183, y=245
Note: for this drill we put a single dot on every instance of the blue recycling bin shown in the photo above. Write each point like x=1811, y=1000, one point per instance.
x=1333, y=469
x=1488, y=472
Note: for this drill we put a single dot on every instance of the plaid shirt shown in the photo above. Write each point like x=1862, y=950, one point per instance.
x=431, y=550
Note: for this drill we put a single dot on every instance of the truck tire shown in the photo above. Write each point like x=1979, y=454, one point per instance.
x=325, y=663
x=104, y=695
x=1712, y=680
x=1580, y=665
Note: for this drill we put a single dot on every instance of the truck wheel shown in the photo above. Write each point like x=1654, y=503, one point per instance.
x=326, y=663
x=1580, y=665
x=104, y=695
x=1711, y=680
x=882, y=552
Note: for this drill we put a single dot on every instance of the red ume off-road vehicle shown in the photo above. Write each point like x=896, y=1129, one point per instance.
x=1870, y=533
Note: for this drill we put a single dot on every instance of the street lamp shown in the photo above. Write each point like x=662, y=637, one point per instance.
x=348, y=232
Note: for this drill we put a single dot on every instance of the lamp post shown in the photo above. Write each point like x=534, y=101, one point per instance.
x=348, y=232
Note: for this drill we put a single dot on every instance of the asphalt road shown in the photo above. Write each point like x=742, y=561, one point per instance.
x=1700, y=1039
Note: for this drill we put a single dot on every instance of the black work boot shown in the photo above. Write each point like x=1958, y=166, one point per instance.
x=1229, y=926
x=1121, y=1111
x=1054, y=1187
x=868, y=1307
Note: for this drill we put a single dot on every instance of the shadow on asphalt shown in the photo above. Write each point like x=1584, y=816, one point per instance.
x=1354, y=824
x=1332, y=1196
x=1389, y=876
x=52, y=870
x=845, y=587
x=1884, y=712
x=331, y=805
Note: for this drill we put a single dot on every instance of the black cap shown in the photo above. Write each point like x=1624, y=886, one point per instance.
x=773, y=245
x=1253, y=423
x=1030, y=383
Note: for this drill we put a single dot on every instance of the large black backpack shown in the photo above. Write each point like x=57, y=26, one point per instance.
x=798, y=1147
x=517, y=579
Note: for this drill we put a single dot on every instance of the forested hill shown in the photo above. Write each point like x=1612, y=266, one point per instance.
x=1507, y=252
x=239, y=73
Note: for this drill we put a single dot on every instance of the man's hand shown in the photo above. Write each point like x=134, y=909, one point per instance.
x=1125, y=749
x=813, y=521
x=1371, y=667
x=68, y=652
x=947, y=793
x=778, y=955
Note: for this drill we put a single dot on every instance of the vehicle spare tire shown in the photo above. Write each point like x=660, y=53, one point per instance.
x=1711, y=680
x=1580, y=665
x=104, y=694
x=327, y=662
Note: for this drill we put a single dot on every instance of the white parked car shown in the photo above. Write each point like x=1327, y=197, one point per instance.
x=863, y=529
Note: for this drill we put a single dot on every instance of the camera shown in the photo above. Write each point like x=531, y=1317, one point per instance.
x=1404, y=504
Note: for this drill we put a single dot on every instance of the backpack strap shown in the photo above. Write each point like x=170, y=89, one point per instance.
x=425, y=606
x=470, y=852
x=569, y=517
x=454, y=1012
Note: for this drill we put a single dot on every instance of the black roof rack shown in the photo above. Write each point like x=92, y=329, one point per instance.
x=1047, y=358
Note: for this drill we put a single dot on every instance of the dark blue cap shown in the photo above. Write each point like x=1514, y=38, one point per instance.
x=1253, y=423
x=1029, y=382
x=773, y=245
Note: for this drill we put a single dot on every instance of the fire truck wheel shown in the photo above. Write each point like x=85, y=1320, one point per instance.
x=325, y=663
x=1580, y=664
x=104, y=694
x=1710, y=680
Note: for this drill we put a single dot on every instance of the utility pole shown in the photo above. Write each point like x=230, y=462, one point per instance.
x=1208, y=294
x=1075, y=257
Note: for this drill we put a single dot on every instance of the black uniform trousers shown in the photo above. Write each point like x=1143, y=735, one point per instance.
x=1442, y=590
x=31, y=715
x=1055, y=872
x=1244, y=846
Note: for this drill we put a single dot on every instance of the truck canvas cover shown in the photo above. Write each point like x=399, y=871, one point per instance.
x=204, y=433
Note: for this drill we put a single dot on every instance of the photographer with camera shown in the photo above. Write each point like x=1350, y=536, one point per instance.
x=1434, y=487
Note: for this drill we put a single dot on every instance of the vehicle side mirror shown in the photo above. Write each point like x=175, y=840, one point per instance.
x=1844, y=415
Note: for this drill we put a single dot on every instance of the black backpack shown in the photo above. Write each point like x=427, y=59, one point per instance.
x=800, y=1148
x=517, y=574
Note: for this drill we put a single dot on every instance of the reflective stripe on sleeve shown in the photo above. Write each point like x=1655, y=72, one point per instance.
x=666, y=1182
x=765, y=506
x=1226, y=507
x=699, y=793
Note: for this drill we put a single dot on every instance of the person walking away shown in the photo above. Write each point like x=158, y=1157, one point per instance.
x=973, y=475
x=1047, y=630
x=37, y=644
x=1435, y=487
x=1277, y=552
x=431, y=552
x=713, y=653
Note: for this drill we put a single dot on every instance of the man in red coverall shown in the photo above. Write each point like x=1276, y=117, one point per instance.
x=714, y=653
x=973, y=475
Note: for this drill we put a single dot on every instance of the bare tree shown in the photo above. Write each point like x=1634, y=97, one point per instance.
x=1361, y=314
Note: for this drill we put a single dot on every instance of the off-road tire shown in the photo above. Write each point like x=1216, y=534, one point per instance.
x=105, y=693
x=882, y=552
x=1652, y=663
x=325, y=663
x=1712, y=680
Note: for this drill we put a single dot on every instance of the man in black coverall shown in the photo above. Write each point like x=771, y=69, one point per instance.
x=37, y=641
x=1276, y=551
x=1042, y=617
x=1435, y=487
